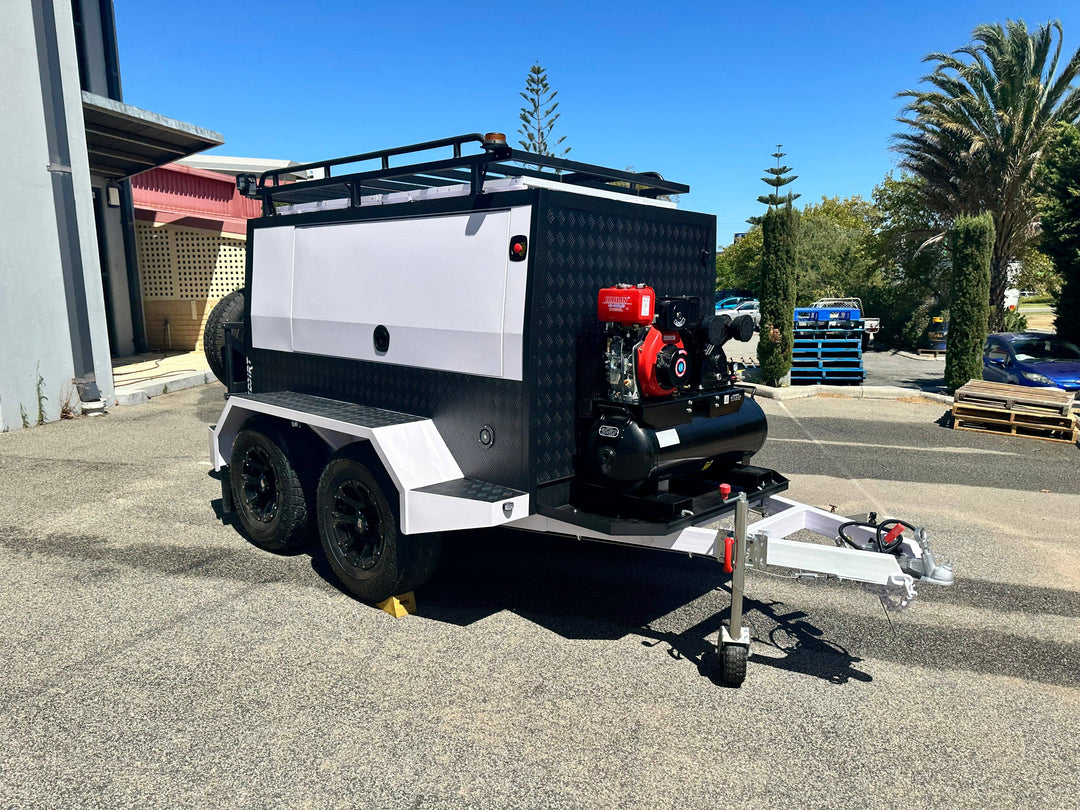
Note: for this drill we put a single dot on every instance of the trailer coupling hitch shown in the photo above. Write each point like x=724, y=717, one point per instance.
x=914, y=558
x=927, y=566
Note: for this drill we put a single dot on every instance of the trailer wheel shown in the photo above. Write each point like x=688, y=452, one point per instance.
x=358, y=528
x=267, y=492
x=229, y=309
x=733, y=664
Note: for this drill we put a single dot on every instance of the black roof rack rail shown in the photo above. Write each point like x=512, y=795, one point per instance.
x=491, y=161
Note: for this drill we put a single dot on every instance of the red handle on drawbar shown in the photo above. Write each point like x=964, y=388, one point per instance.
x=894, y=532
x=729, y=545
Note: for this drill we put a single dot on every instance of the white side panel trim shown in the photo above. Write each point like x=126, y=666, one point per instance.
x=439, y=513
x=272, y=288
x=513, y=317
x=691, y=540
x=413, y=453
x=462, y=190
x=556, y=185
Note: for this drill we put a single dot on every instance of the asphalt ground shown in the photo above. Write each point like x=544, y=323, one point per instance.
x=882, y=366
x=888, y=367
x=151, y=657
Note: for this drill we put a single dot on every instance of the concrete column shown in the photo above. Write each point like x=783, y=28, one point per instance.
x=84, y=203
x=52, y=313
x=35, y=340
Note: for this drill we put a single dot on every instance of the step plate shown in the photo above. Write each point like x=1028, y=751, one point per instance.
x=471, y=489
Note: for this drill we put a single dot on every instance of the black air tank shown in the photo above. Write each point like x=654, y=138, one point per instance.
x=621, y=453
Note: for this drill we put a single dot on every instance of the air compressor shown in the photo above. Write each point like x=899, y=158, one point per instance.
x=667, y=407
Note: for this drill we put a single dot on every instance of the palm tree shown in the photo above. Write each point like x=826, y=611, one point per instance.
x=976, y=137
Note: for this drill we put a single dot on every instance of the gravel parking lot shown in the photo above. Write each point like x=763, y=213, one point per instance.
x=150, y=657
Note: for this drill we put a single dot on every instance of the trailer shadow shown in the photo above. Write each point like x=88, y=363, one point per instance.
x=595, y=591
x=584, y=590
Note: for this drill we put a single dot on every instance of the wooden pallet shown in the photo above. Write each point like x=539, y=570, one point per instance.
x=1015, y=397
x=984, y=419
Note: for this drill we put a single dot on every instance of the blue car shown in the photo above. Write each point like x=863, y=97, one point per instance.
x=1028, y=359
x=731, y=303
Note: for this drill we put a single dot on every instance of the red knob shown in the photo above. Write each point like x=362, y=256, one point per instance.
x=725, y=490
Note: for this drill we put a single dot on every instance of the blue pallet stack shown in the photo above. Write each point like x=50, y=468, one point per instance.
x=828, y=346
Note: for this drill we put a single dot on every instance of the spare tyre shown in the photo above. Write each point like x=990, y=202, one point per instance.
x=229, y=309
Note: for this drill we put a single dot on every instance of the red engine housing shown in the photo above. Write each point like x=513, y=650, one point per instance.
x=626, y=304
x=663, y=364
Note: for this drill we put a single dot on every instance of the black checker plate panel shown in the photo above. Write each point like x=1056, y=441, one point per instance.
x=471, y=489
x=459, y=404
x=582, y=251
x=348, y=412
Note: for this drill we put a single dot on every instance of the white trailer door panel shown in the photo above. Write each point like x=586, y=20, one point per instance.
x=443, y=286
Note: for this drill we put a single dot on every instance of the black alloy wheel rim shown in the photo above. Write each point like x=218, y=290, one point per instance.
x=357, y=525
x=260, y=484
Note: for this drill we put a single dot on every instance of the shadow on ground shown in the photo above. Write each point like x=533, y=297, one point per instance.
x=583, y=590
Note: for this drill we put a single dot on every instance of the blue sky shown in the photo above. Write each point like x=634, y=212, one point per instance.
x=700, y=92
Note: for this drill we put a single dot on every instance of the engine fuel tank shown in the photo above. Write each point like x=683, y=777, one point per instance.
x=621, y=453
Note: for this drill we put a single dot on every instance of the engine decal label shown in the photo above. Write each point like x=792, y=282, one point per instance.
x=617, y=303
x=667, y=438
x=609, y=431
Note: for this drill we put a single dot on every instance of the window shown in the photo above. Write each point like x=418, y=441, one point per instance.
x=1045, y=349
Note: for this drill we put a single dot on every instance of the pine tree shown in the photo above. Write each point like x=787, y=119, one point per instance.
x=777, y=180
x=780, y=233
x=972, y=243
x=539, y=115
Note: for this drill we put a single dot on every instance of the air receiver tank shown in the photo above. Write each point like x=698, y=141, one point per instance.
x=628, y=456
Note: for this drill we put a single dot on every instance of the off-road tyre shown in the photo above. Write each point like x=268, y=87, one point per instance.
x=229, y=309
x=268, y=494
x=359, y=531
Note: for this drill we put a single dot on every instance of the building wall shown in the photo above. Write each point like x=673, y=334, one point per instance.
x=36, y=356
x=184, y=273
x=191, y=233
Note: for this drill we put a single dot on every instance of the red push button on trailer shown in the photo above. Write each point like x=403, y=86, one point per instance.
x=519, y=246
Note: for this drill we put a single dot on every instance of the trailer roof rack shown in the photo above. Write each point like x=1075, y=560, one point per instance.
x=495, y=161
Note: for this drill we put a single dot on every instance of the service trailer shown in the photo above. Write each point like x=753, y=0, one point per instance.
x=479, y=337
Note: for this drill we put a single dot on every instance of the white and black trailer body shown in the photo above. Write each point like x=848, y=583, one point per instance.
x=501, y=339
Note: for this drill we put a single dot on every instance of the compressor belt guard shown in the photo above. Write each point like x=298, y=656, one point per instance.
x=663, y=363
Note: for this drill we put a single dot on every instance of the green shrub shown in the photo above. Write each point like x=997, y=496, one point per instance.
x=972, y=241
x=1014, y=321
x=779, y=231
